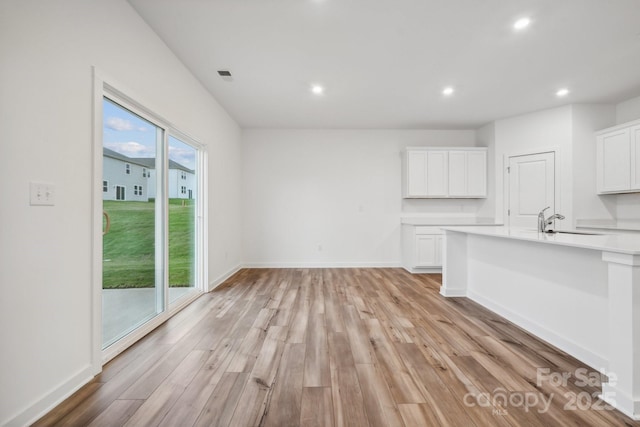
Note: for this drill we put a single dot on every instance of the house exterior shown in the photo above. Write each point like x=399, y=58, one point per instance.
x=182, y=181
x=124, y=178
x=134, y=179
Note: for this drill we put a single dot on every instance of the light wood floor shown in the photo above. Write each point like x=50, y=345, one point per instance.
x=333, y=347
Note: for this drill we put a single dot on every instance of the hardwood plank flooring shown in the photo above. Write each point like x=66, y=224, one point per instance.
x=337, y=347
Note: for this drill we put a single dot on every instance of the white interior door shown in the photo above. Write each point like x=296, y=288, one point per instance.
x=531, y=188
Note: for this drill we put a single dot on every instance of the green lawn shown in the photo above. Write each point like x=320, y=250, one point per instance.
x=128, y=248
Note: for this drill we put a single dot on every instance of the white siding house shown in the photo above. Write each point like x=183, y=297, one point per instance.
x=134, y=179
x=124, y=178
x=182, y=180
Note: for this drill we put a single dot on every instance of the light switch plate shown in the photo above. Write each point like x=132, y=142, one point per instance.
x=42, y=194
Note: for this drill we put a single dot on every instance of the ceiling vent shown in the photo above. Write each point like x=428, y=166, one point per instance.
x=226, y=75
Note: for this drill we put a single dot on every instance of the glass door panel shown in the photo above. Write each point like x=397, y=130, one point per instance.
x=132, y=267
x=182, y=191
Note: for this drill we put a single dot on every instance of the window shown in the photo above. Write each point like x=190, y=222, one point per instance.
x=183, y=175
x=144, y=172
x=183, y=189
x=105, y=186
x=127, y=168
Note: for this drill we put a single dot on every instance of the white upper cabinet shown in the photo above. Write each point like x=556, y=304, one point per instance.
x=635, y=157
x=445, y=173
x=477, y=173
x=426, y=173
x=416, y=170
x=618, y=159
x=458, y=173
x=468, y=173
x=436, y=174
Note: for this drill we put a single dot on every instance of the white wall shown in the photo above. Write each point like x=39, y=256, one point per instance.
x=530, y=133
x=628, y=110
x=332, y=197
x=571, y=131
x=486, y=137
x=47, y=50
x=585, y=121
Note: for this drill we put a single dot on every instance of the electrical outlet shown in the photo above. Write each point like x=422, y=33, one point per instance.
x=41, y=194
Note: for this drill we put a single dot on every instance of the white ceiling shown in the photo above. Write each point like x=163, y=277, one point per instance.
x=384, y=63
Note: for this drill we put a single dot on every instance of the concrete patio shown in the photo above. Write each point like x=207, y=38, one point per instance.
x=123, y=310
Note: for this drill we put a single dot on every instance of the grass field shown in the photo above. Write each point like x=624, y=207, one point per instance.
x=128, y=248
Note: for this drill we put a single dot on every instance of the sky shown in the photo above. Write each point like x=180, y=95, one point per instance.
x=133, y=136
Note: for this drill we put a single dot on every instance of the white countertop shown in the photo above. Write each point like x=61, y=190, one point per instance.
x=417, y=220
x=609, y=224
x=621, y=243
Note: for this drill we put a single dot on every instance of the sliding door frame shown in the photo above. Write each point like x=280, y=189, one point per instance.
x=104, y=86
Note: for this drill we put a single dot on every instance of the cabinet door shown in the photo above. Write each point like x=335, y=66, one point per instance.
x=477, y=174
x=416, y=174
x=635, y=157
x=426, y=250
x=437, y=173
x=439, y=250
x=614, y=162
x=458, y=173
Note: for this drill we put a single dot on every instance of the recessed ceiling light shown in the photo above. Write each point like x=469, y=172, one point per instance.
x=317, y=89
x=521, y=24
x=447, y=91
x=562, y=92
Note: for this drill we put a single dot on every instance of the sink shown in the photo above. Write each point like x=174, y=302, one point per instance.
x=573, y=232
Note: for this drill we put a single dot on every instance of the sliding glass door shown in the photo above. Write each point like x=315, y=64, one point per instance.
x=150, y=220
x=132, y=278
x=183, y=208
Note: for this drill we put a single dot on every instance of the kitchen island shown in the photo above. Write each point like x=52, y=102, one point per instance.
x=580, y=293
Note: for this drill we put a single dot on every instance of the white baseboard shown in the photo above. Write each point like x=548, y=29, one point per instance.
x=46, y=403
x=423, y=270
x=621, y=401
x=220, y=279
x=452, y=293
x=322, y=265
x=588, y=357
x=49, y=401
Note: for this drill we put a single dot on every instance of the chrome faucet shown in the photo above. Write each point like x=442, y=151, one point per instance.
x=542, y=222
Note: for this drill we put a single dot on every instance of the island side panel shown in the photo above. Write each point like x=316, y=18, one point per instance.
x=558, y=293
x=454, y=264
x=623, y=388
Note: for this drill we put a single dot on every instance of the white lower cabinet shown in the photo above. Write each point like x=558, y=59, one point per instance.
x=426, y=251
x=422, y=248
